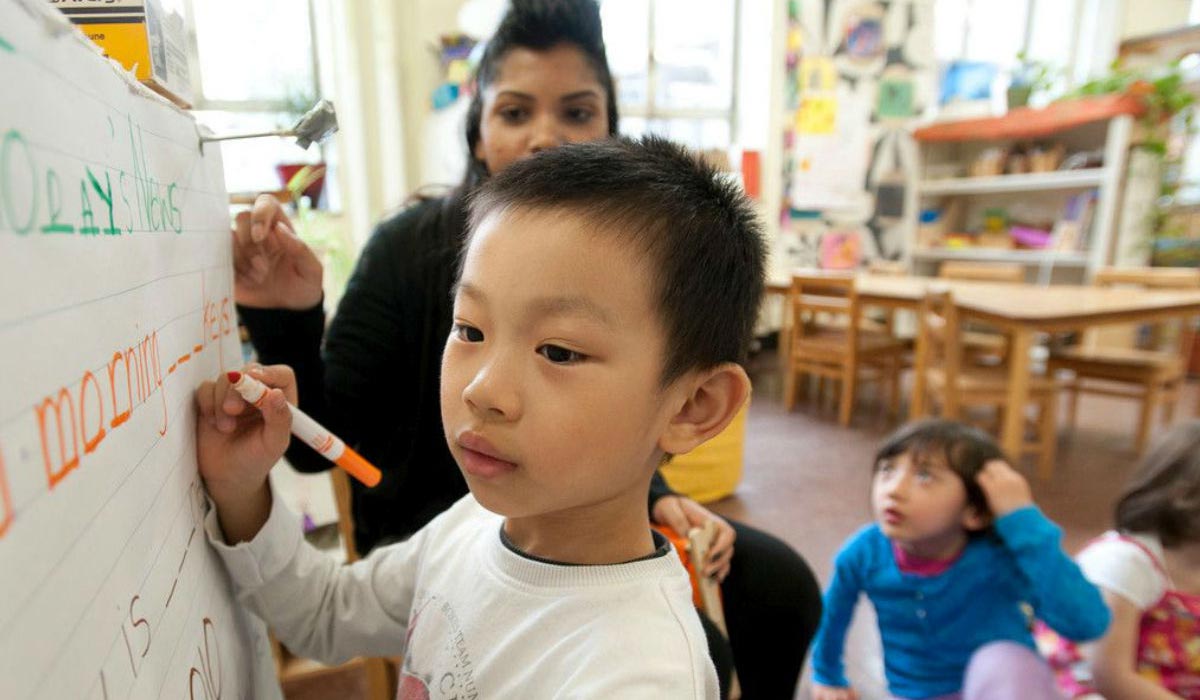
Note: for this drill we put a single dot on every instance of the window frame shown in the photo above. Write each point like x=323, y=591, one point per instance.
x=647, y=109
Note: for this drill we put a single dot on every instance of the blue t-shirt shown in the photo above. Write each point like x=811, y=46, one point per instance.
x=931, y=625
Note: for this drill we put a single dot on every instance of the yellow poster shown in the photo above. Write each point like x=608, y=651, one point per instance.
x=817, y=74
x=817, y=114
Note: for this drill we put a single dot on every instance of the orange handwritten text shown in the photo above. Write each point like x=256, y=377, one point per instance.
x=90, y=442
x=65, y=464
x=217, y=322
x=142, y=371
x=6, y=516
x=120, y=417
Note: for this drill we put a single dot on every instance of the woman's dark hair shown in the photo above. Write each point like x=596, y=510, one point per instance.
x=531, y=24
x=965, y=449
x=538, y=25
x=1163, y=498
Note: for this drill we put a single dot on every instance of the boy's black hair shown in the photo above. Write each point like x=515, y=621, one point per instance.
x=966, y=449
x=538, y=25
x=698, y=231
x=1163, y=498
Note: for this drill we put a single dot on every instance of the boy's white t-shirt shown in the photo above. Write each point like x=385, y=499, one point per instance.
x=474, y=619
x=1126, y=569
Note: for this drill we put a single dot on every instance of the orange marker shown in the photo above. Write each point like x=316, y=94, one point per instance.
x=304, y=427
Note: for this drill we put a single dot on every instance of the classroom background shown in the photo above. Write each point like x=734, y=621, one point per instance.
x=1035, y=156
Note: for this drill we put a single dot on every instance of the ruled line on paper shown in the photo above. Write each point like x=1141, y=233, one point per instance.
x=54, y=660
x=83, y=530
x=104, y=164
x=23, y=410
x=6, y=325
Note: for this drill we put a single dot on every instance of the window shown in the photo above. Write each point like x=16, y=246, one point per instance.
x=995, y=31
x=254, y=69
x=675, y=68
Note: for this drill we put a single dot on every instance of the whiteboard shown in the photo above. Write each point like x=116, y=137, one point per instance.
x=115, y=267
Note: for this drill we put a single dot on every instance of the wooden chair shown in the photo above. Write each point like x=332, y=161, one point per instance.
x=380, y=673
x=827, y=341
x=1111, y=356
x=886, y=319
x=981, y=345
x=943, y=378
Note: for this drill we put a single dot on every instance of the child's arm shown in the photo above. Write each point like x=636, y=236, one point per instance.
x=1062, y=597
x=319, y=609
x=236, y=446
x=1113, y=656
x=839, y=601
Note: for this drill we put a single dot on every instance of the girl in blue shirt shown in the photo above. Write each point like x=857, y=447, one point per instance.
x=958, y=559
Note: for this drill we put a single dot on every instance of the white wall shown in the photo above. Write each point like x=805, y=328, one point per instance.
x=1141, y=17
x=420, y=24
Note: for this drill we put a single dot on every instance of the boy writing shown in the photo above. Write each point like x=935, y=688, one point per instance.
x=606, y=296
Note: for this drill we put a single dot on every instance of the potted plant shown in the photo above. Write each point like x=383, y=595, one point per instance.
x=1168, y=104
x=1028, y=78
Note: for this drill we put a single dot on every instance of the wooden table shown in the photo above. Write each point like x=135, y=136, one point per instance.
x=1021, y=310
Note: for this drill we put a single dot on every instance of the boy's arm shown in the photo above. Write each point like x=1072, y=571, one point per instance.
x=318, y=608
x=838, y=610
x=237, y=444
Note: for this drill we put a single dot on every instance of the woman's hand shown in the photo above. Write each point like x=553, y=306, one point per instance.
x=681, y=514
x=1006, y=490
x=829, y=692
x=273, y=268
x=237, y=444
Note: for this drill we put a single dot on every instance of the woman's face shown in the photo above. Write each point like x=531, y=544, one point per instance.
x=539, y=100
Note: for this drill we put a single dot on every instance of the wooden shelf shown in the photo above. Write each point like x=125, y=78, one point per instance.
x=1029, y=123
x=1031, y=257
x=1055, y=180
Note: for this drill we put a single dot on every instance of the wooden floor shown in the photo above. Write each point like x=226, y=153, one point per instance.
x=807, y=481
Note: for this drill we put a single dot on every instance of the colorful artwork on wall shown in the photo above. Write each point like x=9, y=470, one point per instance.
x=853, y=176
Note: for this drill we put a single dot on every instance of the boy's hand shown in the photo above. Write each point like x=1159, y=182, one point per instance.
x=1006, y=490
x=237, y=444
x=829, y=692
x=681, y=514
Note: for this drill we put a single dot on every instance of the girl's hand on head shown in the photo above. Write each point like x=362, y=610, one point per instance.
x=681, y=514
x=829, y=692
x=273, y=268
x=1006, y=490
